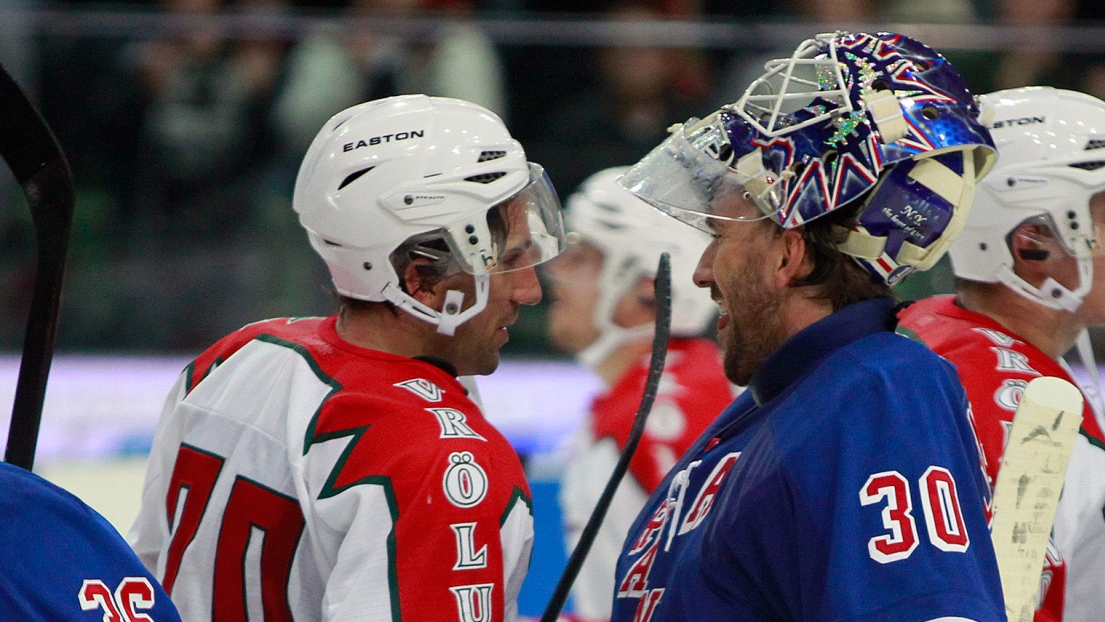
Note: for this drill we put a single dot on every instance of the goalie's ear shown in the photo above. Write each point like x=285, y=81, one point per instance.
x=794, y=260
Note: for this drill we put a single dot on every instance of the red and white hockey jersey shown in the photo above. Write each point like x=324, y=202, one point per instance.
x=692, y=391
x=295, y=476
x=995, y=366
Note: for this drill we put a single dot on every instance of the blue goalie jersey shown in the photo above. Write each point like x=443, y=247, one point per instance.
x=64, y=563
x=845, y=484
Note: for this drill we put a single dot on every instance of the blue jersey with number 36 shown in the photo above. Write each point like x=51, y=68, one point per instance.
x=845, y=484
x=63, y=562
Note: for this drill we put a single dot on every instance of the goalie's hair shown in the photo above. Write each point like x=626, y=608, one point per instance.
x=836, y=276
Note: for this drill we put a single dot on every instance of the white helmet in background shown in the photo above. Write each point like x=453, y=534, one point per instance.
x=1051, y=161
x=429, y=177
x=631, y=235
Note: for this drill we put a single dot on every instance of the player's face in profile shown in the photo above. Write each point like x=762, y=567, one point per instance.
x=573, y=279
x=736, y=268
x=474, y=348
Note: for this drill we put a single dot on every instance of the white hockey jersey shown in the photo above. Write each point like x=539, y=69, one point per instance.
x=295, y=476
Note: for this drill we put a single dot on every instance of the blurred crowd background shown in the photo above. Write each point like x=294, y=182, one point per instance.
x=185, y=120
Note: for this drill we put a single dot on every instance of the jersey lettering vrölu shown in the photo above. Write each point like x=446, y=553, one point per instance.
x=844, y=484
x=295, y=476
x=995, y=366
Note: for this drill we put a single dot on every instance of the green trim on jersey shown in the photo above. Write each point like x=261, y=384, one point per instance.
x=511, y=503
x=329, y=489
x=188, y=372
x=1093, y=441
x=911, y=334
x=191, y=370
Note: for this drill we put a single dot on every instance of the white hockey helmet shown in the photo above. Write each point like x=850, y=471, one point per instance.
x=1051, y=161
x=432, y=177
x=631, y=235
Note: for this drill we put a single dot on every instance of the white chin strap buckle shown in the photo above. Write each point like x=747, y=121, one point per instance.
x=450, y=316
x=1062, y=296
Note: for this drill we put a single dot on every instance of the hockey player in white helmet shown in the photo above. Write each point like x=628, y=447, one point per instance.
x=603, y=311
x=1030, y=280
x=334, y=468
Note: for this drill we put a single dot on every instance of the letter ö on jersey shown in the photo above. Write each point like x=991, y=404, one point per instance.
x=465, y=482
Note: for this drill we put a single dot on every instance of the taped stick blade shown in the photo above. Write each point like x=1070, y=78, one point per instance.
x=1029, y=482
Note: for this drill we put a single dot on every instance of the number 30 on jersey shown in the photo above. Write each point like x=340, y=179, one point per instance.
x=939, y=502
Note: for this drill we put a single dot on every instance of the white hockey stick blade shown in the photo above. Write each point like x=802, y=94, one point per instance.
x=1027, y=491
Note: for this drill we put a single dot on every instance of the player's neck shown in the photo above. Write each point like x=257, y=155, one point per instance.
x=613, y=366
x=385, y=330
x=1052, y=331
x=802, y=307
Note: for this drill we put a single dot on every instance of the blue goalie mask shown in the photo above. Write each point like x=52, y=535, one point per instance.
x=878, y=118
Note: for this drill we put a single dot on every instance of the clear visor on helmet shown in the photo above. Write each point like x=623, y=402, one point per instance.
x=1041, y=232
x=685, y=178
x=526, y=229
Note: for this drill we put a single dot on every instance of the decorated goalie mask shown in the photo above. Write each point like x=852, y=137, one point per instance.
x=878, y=118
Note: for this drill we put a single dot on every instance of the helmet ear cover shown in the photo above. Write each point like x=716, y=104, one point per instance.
x=429, y=256
x=1028, y=239
x=913, y=214
x=1029, y=254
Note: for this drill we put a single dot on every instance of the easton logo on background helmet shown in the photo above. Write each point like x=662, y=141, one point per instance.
x=827, y=127
x=1052, y=164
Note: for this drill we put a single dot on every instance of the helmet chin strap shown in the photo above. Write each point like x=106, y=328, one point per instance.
x=1063, y=299
x=1051, y=293
x=450, y=315
x=611, y=338
x=615, y=282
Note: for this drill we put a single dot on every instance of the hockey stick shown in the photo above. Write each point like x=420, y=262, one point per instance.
x=1027, y=491
x=652, y=382
x=35, y=158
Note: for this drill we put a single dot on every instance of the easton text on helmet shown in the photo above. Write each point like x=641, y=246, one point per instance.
x=385, y=138
x=1021, y=121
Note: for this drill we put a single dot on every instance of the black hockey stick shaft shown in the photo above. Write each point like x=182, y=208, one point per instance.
x=655, y=370
x=36, y=160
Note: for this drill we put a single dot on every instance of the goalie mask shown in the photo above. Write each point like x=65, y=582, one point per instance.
x=881, y=119
x=1052, y=147
x=631, y=236
x=429, y=179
